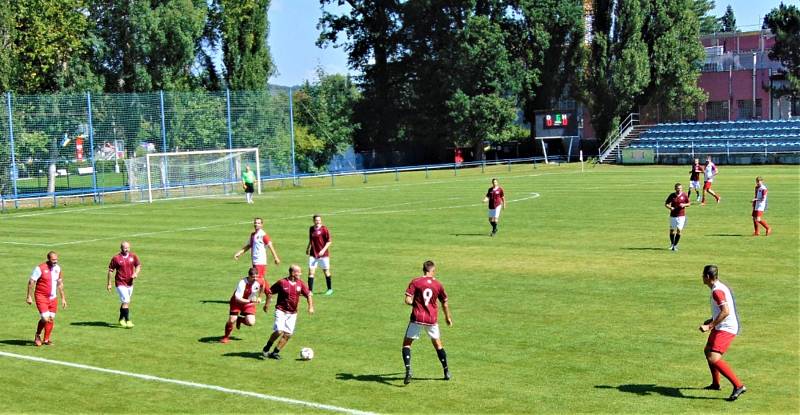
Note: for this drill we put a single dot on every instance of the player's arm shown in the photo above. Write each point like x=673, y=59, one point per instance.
x=409, y=299
x=266, y=300
x=275, y=257
x=325, y=248
x=310, y=300
x=241, y=251
x=28, y=298
x=709, y=324
x=308, y=248
x=448, y=317
x=61, y=291
x=136, y=271
x=109, y=277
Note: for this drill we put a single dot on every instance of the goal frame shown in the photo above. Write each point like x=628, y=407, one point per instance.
x=221, y=152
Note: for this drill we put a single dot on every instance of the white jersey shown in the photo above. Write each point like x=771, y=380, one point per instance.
x=55, y=275
x=761, y=198
x=722, y=295
x=242, y=293
x=710, y=171
x=258, y=247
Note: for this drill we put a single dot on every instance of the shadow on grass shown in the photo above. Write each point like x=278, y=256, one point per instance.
x=17, y=342
x=652, y=389
x=248, y=355
x=214, y=301
x=96, y=324
x=727, y=234
x=646, y=248
x=386, y=379
x=215, y=339
x=471, y=234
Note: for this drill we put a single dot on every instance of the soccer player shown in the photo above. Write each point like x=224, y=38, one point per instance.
x=248, y=179
x=45, y=283
x=318, y=251
x=242, y=304
x=257, y=244
x=759, y=206
x=422, y=294
x=125, y=267
x=288, y=290
x=497, y=202
x=694, y=179
x=676, y=203
x=710, y=173
x=724, y=326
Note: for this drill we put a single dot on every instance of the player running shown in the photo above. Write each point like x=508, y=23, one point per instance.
x=676, y=202
x=288, y=291
x=257, y=244
x=710, y=173
x=242, y=305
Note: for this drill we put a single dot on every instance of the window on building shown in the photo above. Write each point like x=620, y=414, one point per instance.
x=746, y=110
x=716, y=111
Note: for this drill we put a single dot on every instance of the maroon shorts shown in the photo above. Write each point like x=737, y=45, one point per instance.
x=44, y=303
x=758, y=214
x=719, y=341
x=239, y=308
x=706, y=185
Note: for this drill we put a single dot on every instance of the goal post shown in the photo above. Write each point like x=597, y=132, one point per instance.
x=191, y=173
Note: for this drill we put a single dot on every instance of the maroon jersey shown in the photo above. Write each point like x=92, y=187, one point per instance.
x=125, y=267
x=318, y=238
x=289, y=293
x=674, y=200
x=425, y=291
x=495, y=197
x=695, y=172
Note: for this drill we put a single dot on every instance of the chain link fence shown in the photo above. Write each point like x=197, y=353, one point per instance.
x=56, y=146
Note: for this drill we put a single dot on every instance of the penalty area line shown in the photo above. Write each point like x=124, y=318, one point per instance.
x=191, y=384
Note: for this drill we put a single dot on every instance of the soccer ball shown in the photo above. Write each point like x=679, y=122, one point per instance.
x=306, y=353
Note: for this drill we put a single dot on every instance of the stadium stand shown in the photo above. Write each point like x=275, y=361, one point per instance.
x=722, y=137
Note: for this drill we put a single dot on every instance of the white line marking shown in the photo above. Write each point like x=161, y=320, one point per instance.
x=192, y=385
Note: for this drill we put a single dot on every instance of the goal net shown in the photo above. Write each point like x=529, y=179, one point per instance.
x=190, y=173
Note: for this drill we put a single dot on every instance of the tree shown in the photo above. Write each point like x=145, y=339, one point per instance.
x=8, y=58
x=373, y=44
x=547, y=40
x=618, y=70
x=146, y=45
x=675, y=55
x=784, y=22
x=324, y=109
x=708, y=23
x=50, y=47
x=238, y=28
x=728, y=20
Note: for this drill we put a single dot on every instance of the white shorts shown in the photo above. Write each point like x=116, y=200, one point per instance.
x=495, y=213
x=284, y=321
x=324, y=262
x=414, y=329
x=48, y=314
x=677, y=222
x=125, y=293
x=694, y=184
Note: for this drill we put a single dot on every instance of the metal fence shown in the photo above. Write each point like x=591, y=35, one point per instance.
x=78, y=143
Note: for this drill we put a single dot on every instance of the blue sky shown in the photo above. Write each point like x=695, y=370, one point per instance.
x=293, y=33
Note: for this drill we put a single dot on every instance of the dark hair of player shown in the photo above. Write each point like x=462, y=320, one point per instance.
x=710, y=271
x=428, y=266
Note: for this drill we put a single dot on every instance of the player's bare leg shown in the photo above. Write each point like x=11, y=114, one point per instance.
x=407, y=359
x=232, y=319
x=437, y=344
x=48, y=328
x=39, y=328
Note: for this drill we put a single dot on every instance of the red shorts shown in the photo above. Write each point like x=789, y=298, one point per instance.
x=719, y=341
x=706, y=185
x=44, y=303
x=758, y=214
x=237, y=308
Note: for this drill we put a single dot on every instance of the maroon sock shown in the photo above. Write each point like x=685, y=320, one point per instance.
x=48, y=328
x=714, y=374
x=40, y=327
x=228, y=328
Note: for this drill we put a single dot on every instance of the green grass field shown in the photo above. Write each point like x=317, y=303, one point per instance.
x=576, y=306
